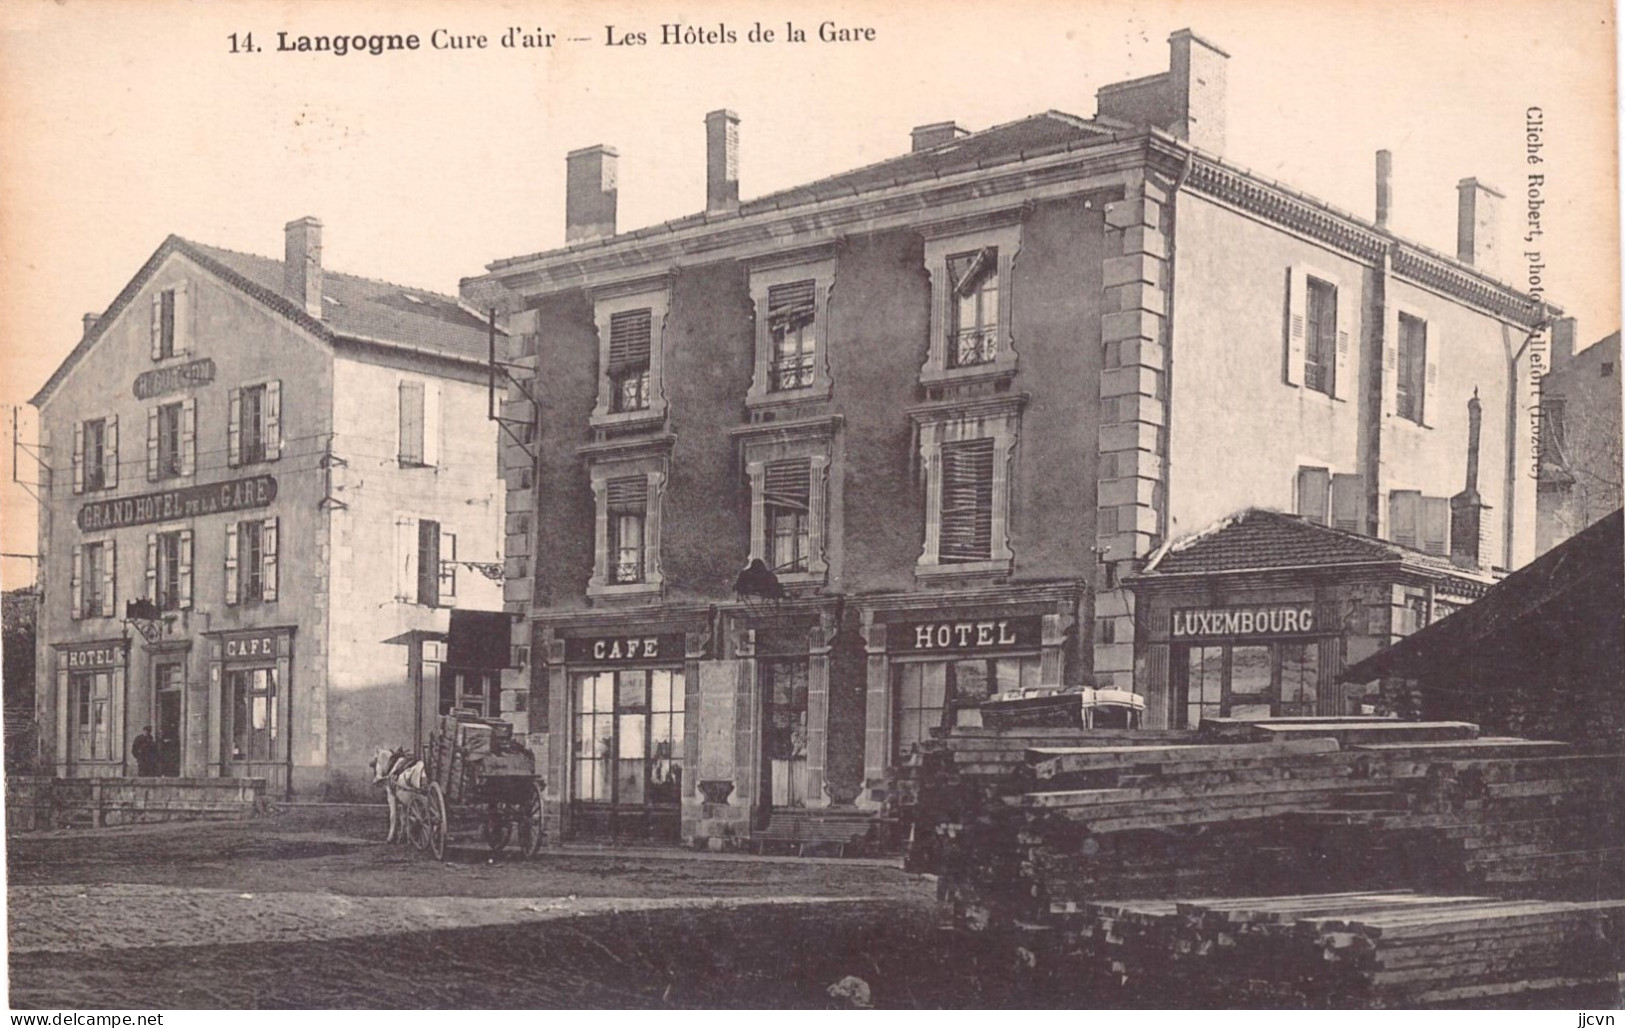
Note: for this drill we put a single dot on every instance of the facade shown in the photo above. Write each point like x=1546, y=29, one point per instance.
x=950, y=401
x=284, y=468
x=1582, y=448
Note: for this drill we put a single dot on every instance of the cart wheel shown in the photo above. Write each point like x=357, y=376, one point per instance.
x=416, y=831
x=497, y=827
x=435, y=824
x=530, y=822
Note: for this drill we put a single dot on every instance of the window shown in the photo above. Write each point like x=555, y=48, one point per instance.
x=1278, y=678
x=1348, y=503
x=251, y=561
x=166, y=323
x=787, y=500
x=628, y=507
x=171, y=323
x=1320, y=350
x=630, y=335
x=946, y=694
x=1105, y=631
x=423, y=549
x=169, y=569
x=790, y=316
x=94, y=576
x=172, y=440
x=95, y=455
x=790, y=293
x=254, y=730
x=448, y=566
x=1404, y=513
x=627, y=557
x=1314, y=495
x=974, y=306
x=1411, y=380
x=254, y=424
x=628, y=738
x=1554, y=431
x=428, y=585
x=784, y=688
x=419, y=432
x=92, y=736
x=967, y=501
x=479, y=691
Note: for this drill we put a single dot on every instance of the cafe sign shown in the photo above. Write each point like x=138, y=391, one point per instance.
x=159, y=381
x=623, y=649
x=191, y=502
x=1231, y=622
x=250, y=645
x=968, y=636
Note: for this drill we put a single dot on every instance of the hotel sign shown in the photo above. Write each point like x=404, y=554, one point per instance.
x=159, y=381
x=92, y=657
x=623, y=649
x=191, y=502
x=975, y=635
x=1231, y=622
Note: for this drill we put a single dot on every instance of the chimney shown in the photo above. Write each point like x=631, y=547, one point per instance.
x=1563, y=332
x=302, y=264
x=1478, y=211
x=721, y=162
x=935, y=134
x=90, y=319
x=1467, y=507
x=1196, y=72
x=589, y=193
x=1385, y=188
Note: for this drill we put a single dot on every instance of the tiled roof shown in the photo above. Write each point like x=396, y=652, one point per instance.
x=1260, y=540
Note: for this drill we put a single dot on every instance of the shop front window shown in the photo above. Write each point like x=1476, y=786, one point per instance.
x=784, y=683
x=93, y=716
x=949, y=694
x=254, y=729
x=1249, y=681
x=628, y=738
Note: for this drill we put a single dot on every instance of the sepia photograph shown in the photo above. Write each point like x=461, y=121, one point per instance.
x=814, y=505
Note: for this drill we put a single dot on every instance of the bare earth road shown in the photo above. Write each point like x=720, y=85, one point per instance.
x=307, y=909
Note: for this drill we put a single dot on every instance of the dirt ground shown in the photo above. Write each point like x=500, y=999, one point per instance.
x=306, y=908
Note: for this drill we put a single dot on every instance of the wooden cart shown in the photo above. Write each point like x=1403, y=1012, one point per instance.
x=475, y=767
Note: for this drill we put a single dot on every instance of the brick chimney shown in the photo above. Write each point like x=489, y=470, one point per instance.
x=721, y=162
x=1385, y=188
x=1467, y=507
x=935, y=134
x=1478, y=212
x=590, y=193
x=90, y=318
x=302, y=264
x=1563, y=332
x=1187, y=101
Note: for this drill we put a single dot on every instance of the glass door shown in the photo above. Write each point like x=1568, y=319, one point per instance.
x=784, y=736
x=627, y=757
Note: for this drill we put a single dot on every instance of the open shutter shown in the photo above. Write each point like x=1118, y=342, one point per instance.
x=966, y=531
x=152, y=566
x=189, y=437
x=268, y=561
x=76, y=585
x=1345, y=376
x=428, y=585
x=110, y=452
x=1429, y=398
x=406, y=558
x=1348, y=503
x=183, y=320
x=158, y=325
x=1436, y=524
x=233, y=579
x=1404, y=512
x=1390, y=362
x=448, y=565
x=234, y=428
x=1314, y=492
x=431, y=423
x=109, y=578
x=152, y=444
x=78, y=457
x=1297, y=315
x=273, y=419
x=411, y=423
x=184, y=579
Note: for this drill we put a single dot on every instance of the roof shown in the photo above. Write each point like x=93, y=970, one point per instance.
x=353, y=308
x=1257, y=539
x=1576, y=583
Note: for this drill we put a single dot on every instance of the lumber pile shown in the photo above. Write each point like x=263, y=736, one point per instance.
x=1374, y=949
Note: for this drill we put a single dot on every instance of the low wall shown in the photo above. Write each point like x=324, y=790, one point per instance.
x=38, y=803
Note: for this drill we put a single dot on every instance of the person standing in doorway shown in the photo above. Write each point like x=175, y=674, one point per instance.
x=145, y=752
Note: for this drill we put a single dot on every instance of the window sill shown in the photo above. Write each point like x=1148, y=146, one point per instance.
x=1412, y=422
x=965, y=571
x=628, y=420
x=995, y=371
x=624, y=589
x=406, y=465
x=819, y=390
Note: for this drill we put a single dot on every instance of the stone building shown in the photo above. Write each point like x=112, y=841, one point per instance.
x=259, y=473
x=1582, y=449
x=949, y=401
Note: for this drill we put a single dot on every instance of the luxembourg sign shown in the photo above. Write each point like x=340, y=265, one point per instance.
x=193, y=501
x=1228, y=622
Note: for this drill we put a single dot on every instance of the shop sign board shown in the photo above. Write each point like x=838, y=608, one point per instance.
x=1233, y=622
x=624, y=649
x=971, y=635
x=172, y=504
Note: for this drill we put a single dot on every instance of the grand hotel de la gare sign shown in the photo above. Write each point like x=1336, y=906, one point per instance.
x=190, y=502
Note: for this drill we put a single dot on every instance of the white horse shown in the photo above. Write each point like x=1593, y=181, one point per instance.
x=394, y=769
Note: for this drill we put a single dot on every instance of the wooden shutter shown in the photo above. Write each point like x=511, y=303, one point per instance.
x=1314, y=491
x=183, y=320
x=1390, y=362
x=152, y=444
x=1297, y=315
x=152, y=566
x=1429, y=385
x=788, y=483
x=1403, y=514
x=627, y=495
x=431, y=423
x=791, y=304
x=268, y=560
x=78, y=457
x=429, y=563
x=1345, y=376
x=76, y=584
x=110, y=452
x=629, y=337
x=966, y=531
x=189, y=437
x=1348, y=503
x=184, y=579
x=411, y=426
x=158, y=325
x=233, y=575
x=406, y=558
x=234, y=428
x=273, y=419
x=109, y=577
x=1436, y=524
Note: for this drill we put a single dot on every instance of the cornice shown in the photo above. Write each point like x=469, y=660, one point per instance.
x=627, y=448
x=802, y=428
x=999, y=405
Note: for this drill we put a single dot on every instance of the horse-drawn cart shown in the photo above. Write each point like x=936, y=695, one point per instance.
x=473, y=765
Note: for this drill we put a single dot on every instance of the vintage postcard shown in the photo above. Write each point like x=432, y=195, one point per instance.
x=813, y=505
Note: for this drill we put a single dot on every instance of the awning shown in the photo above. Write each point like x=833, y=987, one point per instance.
x=479, y=639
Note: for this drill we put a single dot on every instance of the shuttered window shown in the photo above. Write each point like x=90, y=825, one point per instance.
x=1348, y=503
x=967, y=501
x=791, y=310
x=1436, y=525
x=974, y=306
x=169, y=569
x=1404, y=514
x=630, y=333
x=94, y=574
x=628, y=501
x=1320, y=348
x=411, y=424
x=1314, y=495
x=429, y=563
x=786, y=503
x=1411, y=383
